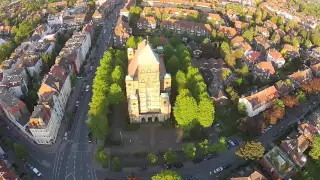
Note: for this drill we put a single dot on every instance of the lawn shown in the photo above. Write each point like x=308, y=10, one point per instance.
x=310, y=172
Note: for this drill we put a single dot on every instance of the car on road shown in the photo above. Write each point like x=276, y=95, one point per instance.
x=77, y=103
x=167, y=166
x=87, y=88
x=29, y=165
x=35, y=170
x=197, y=160
x=65, y=136
x=178, y=165
x=208, y=156
x=89, y=137
x=222, y=168
x=69, y=127
x=79, y=77
x=267, y=129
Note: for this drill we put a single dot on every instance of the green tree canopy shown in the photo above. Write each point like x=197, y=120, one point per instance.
x=152, y=157
x=132, y=43
x=181, y=79
x=189, y=150
x=315, y=150
x=116, y=95
x=117, y=76
x=242, y=109
x=21, y=151
x=173, y=64
x=6, y=50
x=170, y=156
x=155, y=41
x=185, y=109
x=205, y=112
x=248, y=35
x=168, y=52
x=167, y=175
x=251, y=151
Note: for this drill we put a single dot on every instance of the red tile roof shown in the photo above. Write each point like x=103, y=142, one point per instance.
x=266, y=65
x=265, y=96
x=253, y=56
x=214, y=17
x=229, y=31
x=276, y=55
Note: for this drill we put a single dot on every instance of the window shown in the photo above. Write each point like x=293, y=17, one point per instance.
x=164, y=102
x=134, y=104
x=167, y=82
x=129, y=84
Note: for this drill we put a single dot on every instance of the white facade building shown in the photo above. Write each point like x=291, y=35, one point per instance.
x=55, y=19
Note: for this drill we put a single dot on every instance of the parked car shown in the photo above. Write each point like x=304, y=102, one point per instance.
x=35, y=170
x=219, y=169
x=69, y=127
x=208, y=156
x=167, y=166
x=178, y=165
x=29, y=165
x=87, y=88
x=79, y=77
x=197, y=160
x=65, y=137
x=89, y=137
x=77, y=103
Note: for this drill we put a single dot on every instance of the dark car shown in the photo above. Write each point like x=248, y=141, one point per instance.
x=208, y=156
x=69, y=127
x=177, y=165
x=197, y=160
x=167, y=166
x=89, y=137
x=226, y=166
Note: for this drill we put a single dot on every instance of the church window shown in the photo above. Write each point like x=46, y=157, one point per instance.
x=129, y=84
x=164, y=102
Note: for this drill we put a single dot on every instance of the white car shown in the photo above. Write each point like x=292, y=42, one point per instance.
x=87, y=88
x=219, y=169
x=35, y=170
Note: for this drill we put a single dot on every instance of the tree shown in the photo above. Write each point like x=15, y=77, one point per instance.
x=173, y=65
x=204, y=145
x=155, y=41
x=301, y=97
x=315, y=39
x=102, y=157
x=116, y=163
x=230, y=60
x=251, y=151
x=116, y=95
x=225, y=48
x=248, y=35
x=168, y=52
x=5, y=50
x=167, y=175
x=272, y=115
x=221, y=146
x=189, y=150
x=242, y=109
x=315, y=150
x=117, y=76
x=225, y=73
x=244, y=71
x=312, y=87
x=21, y=151
x=279, y=103
x=185, y=109
x=213, y=34
x=170, y=156
x=175, y=40
x=233, y=94
x=181, y=79
x=132, y=43
x=152, y=158
x=205, y=112
x=290, y=101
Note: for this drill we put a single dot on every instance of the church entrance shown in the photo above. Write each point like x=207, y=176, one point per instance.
x=156, y=119
x=143, y=120
x=149, y=119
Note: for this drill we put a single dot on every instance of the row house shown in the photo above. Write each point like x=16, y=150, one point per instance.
x=32, y=63
x=147, y=23
x=284, y=87
x=58, y=5
x=215, y=18
x=290, y=51
x=14, y=109
x=262, y=31
x=55, y=19
x=16, y=81
x=264, y=71
x=68, y=59
x=300, y=77
x=239, y=25
x=74, y=21
x=125, y=10
x=175, y=12
x=122, y=32
x=187, y=27
x=81, y=43
x=316, y=70
x=295, y=148
x=259, y=101
x=43, y=30
x=53, y=96
x=261, y=44
x=275, y=57
x=6, y=31
x=228, y=31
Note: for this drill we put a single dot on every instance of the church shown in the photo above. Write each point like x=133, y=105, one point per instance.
x=148, y=85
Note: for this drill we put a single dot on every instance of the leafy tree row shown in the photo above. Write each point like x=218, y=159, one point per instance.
x=106, y=90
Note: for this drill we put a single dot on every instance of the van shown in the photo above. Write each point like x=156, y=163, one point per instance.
x=35, y=170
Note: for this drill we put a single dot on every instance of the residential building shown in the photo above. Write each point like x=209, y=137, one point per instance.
x=186, y=27
x=256, y=175
x=6, y=31
x=60, y=5
x=74, y=20
x=16, y=82
x=97, y=17
x=228, y=31
x=262, y=31
x=215, y=18
x=164, y=13
x=14, y=109
x=263, y=71
x=300, y=77
x=261, y=44
x=316, y=70
x=309, y=131
x=239, y=25
x=148, y=85
x=56, y=19
x=284, y=87
x=246, y=47
x=6, y=173
x=237, y=41
x=259, y=101
x=232, y=15
x=195, y=49
x=290, y=51
x=295, y=149
x=270, y=25
x=122, y=32
x=53, y=95
x=68, y=61
x=251, y=57
x=81, y=43
x=147, y=23
x=125, y=10
x=277, y=164
x=32, y=63
x=275, y=57
x=43, y=30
